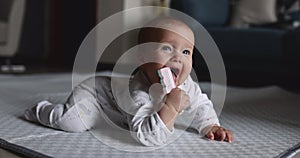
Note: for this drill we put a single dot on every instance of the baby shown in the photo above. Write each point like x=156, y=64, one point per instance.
x=149, y=125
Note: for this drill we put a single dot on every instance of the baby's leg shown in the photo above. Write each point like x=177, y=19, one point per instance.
x=78, y=114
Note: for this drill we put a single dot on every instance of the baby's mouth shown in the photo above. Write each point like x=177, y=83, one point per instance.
x=175, y=72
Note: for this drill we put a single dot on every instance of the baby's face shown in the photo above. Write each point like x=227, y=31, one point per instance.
x=172, y=50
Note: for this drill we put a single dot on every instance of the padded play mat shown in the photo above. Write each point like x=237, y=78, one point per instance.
x=265, y=122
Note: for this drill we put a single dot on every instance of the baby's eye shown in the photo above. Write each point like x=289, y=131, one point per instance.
x=167, y=48
x=187, y=52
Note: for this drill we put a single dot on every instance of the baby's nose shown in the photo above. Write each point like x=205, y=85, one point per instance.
x=176, y=57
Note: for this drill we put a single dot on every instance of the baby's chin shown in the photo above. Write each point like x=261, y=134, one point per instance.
x=178, y=82
x=181, y=80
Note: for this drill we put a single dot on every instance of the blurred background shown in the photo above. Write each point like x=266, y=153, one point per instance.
x=258, y=39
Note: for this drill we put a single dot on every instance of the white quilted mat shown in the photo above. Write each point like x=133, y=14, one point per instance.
x=265, y=122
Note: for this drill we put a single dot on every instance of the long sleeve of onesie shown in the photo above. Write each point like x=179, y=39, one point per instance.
x=141, y=114
x=146, y=125
x=199, y=102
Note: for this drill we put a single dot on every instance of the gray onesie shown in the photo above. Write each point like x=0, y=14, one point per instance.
x=83, y=107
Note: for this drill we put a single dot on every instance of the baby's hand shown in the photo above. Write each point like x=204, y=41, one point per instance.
x=220, y=133
x=178, y=99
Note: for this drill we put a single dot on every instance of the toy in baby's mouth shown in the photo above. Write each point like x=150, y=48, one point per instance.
x=166, y=79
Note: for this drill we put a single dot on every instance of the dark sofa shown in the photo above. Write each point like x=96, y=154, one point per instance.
x=253, y=55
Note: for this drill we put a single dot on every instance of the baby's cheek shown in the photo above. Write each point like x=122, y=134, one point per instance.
x=188, y=63
x=188, y=69
x=185, y=73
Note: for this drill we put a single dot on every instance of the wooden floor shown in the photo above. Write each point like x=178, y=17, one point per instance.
x=7, y=154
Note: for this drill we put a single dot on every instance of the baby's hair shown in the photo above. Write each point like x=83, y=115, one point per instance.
x=146, y=33
x=154, y=27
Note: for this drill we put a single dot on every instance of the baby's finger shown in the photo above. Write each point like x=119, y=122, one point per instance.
x=229, y=136
x=221, y=134
x=210, y=135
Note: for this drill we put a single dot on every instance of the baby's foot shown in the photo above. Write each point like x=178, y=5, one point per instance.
x=31, y=114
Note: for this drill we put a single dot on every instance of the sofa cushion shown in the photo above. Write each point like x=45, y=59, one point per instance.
x=207, y=12
x=291, y=45
x=254, y=42
x=5, y=7
x=3, y=32
x=258, y=12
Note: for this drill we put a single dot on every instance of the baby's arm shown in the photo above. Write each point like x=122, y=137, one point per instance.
x=150, y=127
x=212, y=129
x=177, y=100
x=206, y=119
x=147, y=126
